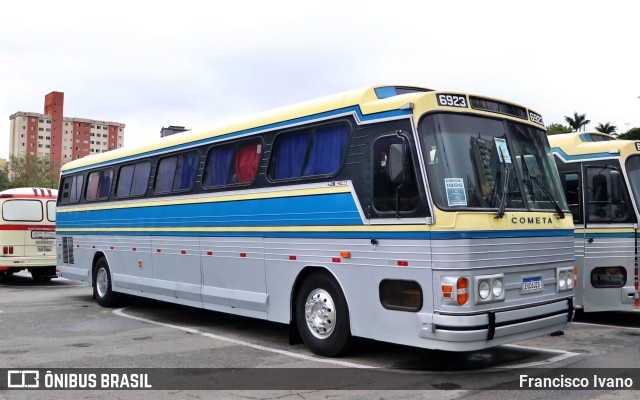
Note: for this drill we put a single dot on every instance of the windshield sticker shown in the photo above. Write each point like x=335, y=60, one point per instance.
x=503, y=150
x=456, y=195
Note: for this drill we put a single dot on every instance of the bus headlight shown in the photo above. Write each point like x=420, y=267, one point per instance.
x=497, y=288
x=489, y=288
x=565, y=279
x=484, y=289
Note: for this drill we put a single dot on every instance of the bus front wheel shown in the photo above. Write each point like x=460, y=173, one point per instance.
x=102, y=291
x=322, y=315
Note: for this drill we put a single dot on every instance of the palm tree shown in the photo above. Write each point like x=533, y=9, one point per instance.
x=606, y=128
x=578, y=122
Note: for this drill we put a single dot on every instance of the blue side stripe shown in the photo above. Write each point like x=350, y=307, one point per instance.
x=581, y=156
x=356, y=109
x=328, y=209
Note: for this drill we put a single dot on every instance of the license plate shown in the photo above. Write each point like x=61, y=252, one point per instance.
x=530, y=285
x=42, y=249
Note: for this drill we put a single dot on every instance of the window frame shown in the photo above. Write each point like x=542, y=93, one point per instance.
x=236, y=145
x=176, y=155
x=311, y=129
x=133, y=175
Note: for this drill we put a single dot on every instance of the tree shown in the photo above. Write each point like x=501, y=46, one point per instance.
x=632, y=134
x=555, y=129
x=32, y=171
x=578, y=122
x=606, y=128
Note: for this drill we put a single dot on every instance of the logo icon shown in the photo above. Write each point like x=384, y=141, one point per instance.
x=23, y=378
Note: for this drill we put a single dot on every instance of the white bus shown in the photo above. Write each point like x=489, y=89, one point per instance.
x=601, y=179
x=402, y=214
x=27, y=232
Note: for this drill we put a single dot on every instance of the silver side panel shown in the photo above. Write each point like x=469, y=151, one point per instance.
x=256, y=276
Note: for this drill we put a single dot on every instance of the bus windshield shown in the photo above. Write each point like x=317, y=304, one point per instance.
x=485, y=163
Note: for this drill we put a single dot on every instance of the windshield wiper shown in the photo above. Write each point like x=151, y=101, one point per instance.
x=505, y=188
x=545, y=191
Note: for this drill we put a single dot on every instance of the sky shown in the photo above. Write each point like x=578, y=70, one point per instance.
x=151, y=64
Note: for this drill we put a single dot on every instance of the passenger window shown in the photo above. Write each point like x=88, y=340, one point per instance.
x=99, y=185
x=232, y=164
x=71, y=189
x=311, y=152
x=384, y=190
x=177, y=173
x=133, y=180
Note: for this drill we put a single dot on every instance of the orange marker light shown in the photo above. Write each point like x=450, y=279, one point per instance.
x=447, y=291
x=345, y=254
x=463, y=290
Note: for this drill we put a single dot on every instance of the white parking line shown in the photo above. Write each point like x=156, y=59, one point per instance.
x=562, y=355
x=120, y=312
x=607, y=326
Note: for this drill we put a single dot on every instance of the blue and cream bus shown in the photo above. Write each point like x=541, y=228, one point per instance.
x=402, y=214
x=601, y=179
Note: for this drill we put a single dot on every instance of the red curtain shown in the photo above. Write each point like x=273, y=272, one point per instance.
x=247, y=161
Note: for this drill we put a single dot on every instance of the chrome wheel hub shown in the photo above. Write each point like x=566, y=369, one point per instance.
x=102, y=282
x=320, y=313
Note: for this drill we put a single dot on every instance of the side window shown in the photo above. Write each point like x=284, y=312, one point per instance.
x=607, y=196
x=71, y=189
x=51, y=211
x=384, y=190
x=572, y=189
x=232, y=164
x=177, y=173
x=99, y=185
x=310, y=152
x=133, y=180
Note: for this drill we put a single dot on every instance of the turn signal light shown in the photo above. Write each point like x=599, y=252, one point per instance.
x=462, y=290
x=447, y=291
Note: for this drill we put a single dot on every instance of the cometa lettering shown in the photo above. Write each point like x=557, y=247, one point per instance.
x=532, y=220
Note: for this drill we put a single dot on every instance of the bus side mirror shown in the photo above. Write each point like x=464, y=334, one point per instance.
x=616, y=187
x=396, y=163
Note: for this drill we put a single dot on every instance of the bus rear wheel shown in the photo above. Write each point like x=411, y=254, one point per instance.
x=322, y=315
x=102, y=289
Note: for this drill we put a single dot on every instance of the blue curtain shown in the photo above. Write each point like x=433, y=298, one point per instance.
x=289, y=155
x=187, y=169
x=218, y=165
x=327, y=151
x=104, y=187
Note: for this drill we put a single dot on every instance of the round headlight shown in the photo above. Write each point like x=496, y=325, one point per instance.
x=497, y=288
x=484, y=289
x=570, y=278
x=562, y=279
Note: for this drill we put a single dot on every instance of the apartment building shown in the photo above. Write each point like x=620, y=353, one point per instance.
x=61, y=138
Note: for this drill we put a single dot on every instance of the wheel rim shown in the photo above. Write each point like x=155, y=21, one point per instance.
x=320, y=313
x=102, y=282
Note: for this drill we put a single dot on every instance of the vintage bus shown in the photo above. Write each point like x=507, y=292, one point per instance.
x=402, y=214
x=601, y=179
x=28, y=232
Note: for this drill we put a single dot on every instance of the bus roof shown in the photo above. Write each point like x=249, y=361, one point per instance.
x=373, y=99
x=595, y=144
x=29, y=192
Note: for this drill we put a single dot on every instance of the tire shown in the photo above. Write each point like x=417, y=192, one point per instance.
x=102, y=291
x=322, y=315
